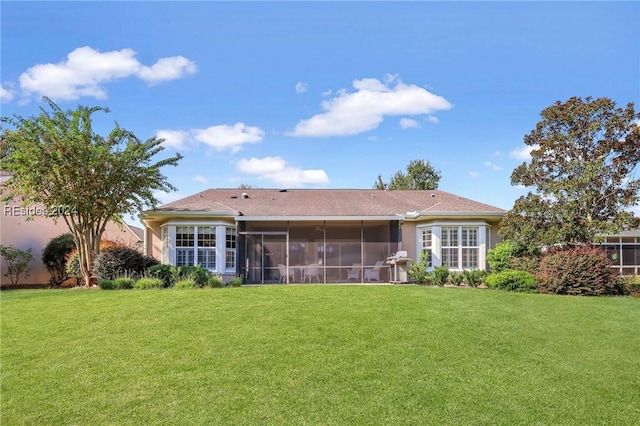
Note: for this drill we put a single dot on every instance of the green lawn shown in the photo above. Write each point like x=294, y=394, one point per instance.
x=387, y=355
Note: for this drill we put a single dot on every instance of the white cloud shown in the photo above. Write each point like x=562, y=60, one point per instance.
x=350, y=113
x=86, y=70
x=473, y=174
x=408, y=123
x=167, y=69
x=301, y=87
x=175, y=139
x=6, y=95
x=523, y=153
x=327, y=92
x=200, y=179
x=433, y=119
x=277, y=170
x=493, y=166
x=225, y=137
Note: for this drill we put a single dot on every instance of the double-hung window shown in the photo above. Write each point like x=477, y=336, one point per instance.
x=185, y=239
x=469, y=247
x=207, y=247
x=450, y=246
x=426, y=245
x=230, y=248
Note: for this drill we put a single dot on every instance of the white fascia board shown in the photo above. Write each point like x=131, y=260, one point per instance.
x=161, y=214
x=446, y=215
x=313, y=218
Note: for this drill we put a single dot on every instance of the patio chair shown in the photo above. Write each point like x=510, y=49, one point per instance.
x=354, y=272
x=312, y=271
x=373, y=274
x=283, y=273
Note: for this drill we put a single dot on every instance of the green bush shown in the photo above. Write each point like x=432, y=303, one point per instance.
x=440, y=275
x=418, y=271
x=474, y=277
x=631, y=285
x=215, y=282
x=198, y=274
x=148, y=283
x=456, y=278
x=107, y=284
x=185, y=283
x=16, y=263
x=235, y=282
x=499, y=257
x=582, y=271
x=510, y=280
x=164, y=272
x=123, y=283
x=118, y=260
x=54, y=257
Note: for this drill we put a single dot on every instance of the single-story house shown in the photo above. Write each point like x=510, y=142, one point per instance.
x=319, y=235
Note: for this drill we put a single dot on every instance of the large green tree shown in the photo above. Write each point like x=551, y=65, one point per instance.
x=56, y=160
x=420, y=175
x=582, y=173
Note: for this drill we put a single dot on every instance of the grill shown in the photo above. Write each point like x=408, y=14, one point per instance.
x=399, y=267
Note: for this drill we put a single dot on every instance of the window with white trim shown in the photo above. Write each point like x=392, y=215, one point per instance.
x=470, y=247
x=450, y=246
x=426, y=246
x=185, y=239
x=191, y=245
x=230, y=248
x=207, y=247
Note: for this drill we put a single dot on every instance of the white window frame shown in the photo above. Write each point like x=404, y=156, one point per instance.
x=218, y=263
x=481, y=240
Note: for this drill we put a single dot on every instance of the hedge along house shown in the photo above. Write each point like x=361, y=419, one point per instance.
x=319, y=235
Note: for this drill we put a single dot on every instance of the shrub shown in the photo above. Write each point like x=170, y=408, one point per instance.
x=107, y=284
x=16, y=263
x=500, y=256
x=164, y=272
x=123, y=283
x=117, y=260
x=198, y=274
x=235, y=282
x=418, y=271
x=631, y=285
x=54, y=257
x=456, y=278
x=73, y=264
x=215, y=282
x=581, y=271
x=525, y=263
x=510, y=280
x=440, y=275
x=148, y=283
x=185, y=283
x=474, y=277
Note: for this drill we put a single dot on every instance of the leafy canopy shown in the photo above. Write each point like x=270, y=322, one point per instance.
x=420, y=175
x=582, y=171
x=57, y=160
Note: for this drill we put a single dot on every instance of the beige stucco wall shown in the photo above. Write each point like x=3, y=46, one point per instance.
x=17, y=231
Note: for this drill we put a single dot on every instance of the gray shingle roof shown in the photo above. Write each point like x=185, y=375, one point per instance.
x=326, y=202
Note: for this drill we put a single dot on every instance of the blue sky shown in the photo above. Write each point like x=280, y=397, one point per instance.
x=323, y=95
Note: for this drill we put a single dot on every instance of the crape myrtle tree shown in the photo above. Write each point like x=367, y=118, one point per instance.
x=420, y=175
x=56, y=160
x=582, y=171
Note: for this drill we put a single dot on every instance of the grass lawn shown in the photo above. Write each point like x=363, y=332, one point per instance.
x=387, y=355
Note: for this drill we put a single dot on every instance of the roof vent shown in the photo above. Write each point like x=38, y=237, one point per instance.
x=433, y=195
x=245, y=195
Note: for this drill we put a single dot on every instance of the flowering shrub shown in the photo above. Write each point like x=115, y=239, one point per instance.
x=581, y=271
